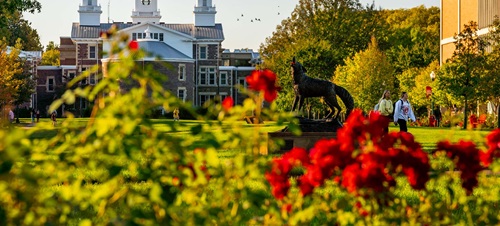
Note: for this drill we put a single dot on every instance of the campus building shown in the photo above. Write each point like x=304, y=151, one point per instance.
x=456, y=13
x=202, y=69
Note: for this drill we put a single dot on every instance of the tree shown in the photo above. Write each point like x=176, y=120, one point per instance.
x=366, y=75
x=462, y=74
x=493, y=73
x=13, y=26
x=410, y=36
x=9, y=68
x=320, y=34
x=18, y=28
x=51, y=55
x=415, y=81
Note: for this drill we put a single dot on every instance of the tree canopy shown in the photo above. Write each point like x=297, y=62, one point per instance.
x=323, y=34
x=10, y=66
x=13, y=26
x=51, y=55
x=366, y=75
x=463, y=74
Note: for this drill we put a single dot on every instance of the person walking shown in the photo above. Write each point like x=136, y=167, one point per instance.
x=386, y=108
x=11, y=116
x=402, y=112
x=176, y=114
x=53, y=116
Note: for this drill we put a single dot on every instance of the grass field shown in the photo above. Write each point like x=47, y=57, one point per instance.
x=428, y=137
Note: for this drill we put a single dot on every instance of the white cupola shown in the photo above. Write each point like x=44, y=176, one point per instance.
x=204, y=14
x=146, y=11
x=90, y=13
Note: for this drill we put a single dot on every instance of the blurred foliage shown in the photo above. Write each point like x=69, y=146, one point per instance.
x=140, y=175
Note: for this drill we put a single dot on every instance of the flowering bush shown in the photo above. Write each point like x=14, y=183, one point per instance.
x=365, y=162
x=120, y=169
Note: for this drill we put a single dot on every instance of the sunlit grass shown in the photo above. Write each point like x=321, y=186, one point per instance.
x=428, y=137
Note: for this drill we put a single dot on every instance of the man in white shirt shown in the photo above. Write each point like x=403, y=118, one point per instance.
x=403, y=111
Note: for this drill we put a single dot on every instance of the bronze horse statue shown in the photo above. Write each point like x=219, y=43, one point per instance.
x=305, y=87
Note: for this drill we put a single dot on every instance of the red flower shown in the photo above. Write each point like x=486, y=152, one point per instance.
x=467, y=159
x=287, y=208
x=264, y=80
x=493, y=141
x=133, y=45
x=227, y=103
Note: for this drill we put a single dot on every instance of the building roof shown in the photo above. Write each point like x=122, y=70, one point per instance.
x=27, y=54
x=200, y=33
x=162, y=50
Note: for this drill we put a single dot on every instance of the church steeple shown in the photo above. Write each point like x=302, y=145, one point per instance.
x=90, y=13
x=204, y=13
x=146, y=11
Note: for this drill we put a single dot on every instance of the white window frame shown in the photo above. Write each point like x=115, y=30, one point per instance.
x=182, y=72
x=93, y=79
x=203, y=75
x=221, y=75
x=71, y=73
x=53, y=84
x=206, y=52
x=207, y=96
x=179, y=89
x=90, y=52
x=84, y=81
x=212, y=76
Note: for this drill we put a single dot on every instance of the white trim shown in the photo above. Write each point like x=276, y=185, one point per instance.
x=48, y=67
x=212, y=93
x=86, y=40
x=209, y=41
x=236, y=68
x=183, y=72
x=53, y=84
x=448, y=40
x=199, y=52
x=158, y=26
x=95, y=52
x=185, y=93
x=227, y=78
x=173, y=60
x=481, y=32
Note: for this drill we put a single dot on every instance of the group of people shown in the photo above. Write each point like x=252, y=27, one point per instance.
x=35, y=113
x=398, y=113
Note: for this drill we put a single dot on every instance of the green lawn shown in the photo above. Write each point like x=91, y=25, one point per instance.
x=428, y=137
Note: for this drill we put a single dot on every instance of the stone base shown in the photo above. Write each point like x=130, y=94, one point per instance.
x=306, y=140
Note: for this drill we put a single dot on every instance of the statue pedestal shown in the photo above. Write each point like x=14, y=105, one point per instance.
x=312, y=131
x=306, y=140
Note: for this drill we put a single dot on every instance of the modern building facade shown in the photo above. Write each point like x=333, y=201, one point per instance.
x=456, y=13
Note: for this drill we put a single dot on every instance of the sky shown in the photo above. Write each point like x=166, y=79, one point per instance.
x=57, y=16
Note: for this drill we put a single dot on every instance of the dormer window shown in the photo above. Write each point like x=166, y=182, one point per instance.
x=89, y=2
x=146, y=2
x=204, y=2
